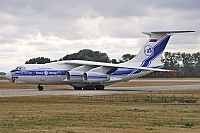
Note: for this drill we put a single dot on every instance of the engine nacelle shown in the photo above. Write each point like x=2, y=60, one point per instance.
x=74, y=76
x=95, y=77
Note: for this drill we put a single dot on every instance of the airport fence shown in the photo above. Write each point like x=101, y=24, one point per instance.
x=145, y=98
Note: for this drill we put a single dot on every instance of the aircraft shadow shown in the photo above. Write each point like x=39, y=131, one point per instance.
x=122, y=90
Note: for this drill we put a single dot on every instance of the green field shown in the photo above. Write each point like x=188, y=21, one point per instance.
x=114, y=113
x=144, y=112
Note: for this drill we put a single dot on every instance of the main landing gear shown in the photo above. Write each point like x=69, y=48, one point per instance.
x=77, y=88
x=40, y=88
x=90, y=87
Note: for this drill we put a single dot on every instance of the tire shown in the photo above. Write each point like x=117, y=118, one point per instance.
x=89, y=87
x=77, y=88
x=40, y=88
x=99, y=87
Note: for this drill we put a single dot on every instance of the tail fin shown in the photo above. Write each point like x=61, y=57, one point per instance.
x=150, y=54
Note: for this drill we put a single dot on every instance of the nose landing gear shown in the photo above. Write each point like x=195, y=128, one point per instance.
x=40, y=88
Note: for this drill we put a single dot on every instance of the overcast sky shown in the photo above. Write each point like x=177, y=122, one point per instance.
x=54, y=28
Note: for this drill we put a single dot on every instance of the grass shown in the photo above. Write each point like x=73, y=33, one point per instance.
x=130, y=83
x=147, y=112
x=151, y=97
x=76, y=114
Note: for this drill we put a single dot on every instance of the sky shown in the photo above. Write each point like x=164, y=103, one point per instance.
x=54, y=28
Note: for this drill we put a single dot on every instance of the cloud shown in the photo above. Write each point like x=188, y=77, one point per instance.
x=53, y=28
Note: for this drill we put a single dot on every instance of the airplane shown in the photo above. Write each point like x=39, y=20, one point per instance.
x=90, y=75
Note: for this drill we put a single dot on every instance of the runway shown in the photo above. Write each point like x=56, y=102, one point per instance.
x=107, y=91
x=153, y=80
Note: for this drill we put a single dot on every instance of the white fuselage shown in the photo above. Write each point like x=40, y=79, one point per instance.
x=55, y=73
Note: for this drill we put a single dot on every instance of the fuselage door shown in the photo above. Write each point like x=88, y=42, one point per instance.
x=43, y=78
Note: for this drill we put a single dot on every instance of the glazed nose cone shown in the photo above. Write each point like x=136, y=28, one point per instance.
x=8, y=76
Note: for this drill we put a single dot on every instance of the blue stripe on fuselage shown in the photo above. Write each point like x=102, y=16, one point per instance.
x=39, y=72
x=61, y=72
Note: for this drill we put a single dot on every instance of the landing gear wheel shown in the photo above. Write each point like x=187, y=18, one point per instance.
x=89, y=87
x=99, y=87
x=77, y=88
x=40, y=88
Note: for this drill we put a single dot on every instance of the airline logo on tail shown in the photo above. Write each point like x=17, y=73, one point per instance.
x=148, y=50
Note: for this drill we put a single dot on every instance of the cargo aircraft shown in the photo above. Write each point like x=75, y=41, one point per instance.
x=90, y=75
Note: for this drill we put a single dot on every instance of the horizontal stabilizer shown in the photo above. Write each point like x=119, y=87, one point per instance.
x=167, y=32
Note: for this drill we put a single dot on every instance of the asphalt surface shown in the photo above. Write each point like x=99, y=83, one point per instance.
x=107, y=91
x=153, y=80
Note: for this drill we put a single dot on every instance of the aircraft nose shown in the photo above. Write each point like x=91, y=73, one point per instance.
x=8, y=75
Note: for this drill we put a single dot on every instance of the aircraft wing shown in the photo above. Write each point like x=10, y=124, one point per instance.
x=101, y=64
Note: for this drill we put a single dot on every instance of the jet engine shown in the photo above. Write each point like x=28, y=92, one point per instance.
x=95, y=77
x=74, y=76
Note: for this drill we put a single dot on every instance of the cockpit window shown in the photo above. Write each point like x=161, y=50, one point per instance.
x=19, y=68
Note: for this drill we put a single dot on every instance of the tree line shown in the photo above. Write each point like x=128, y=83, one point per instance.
x=187, y=65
